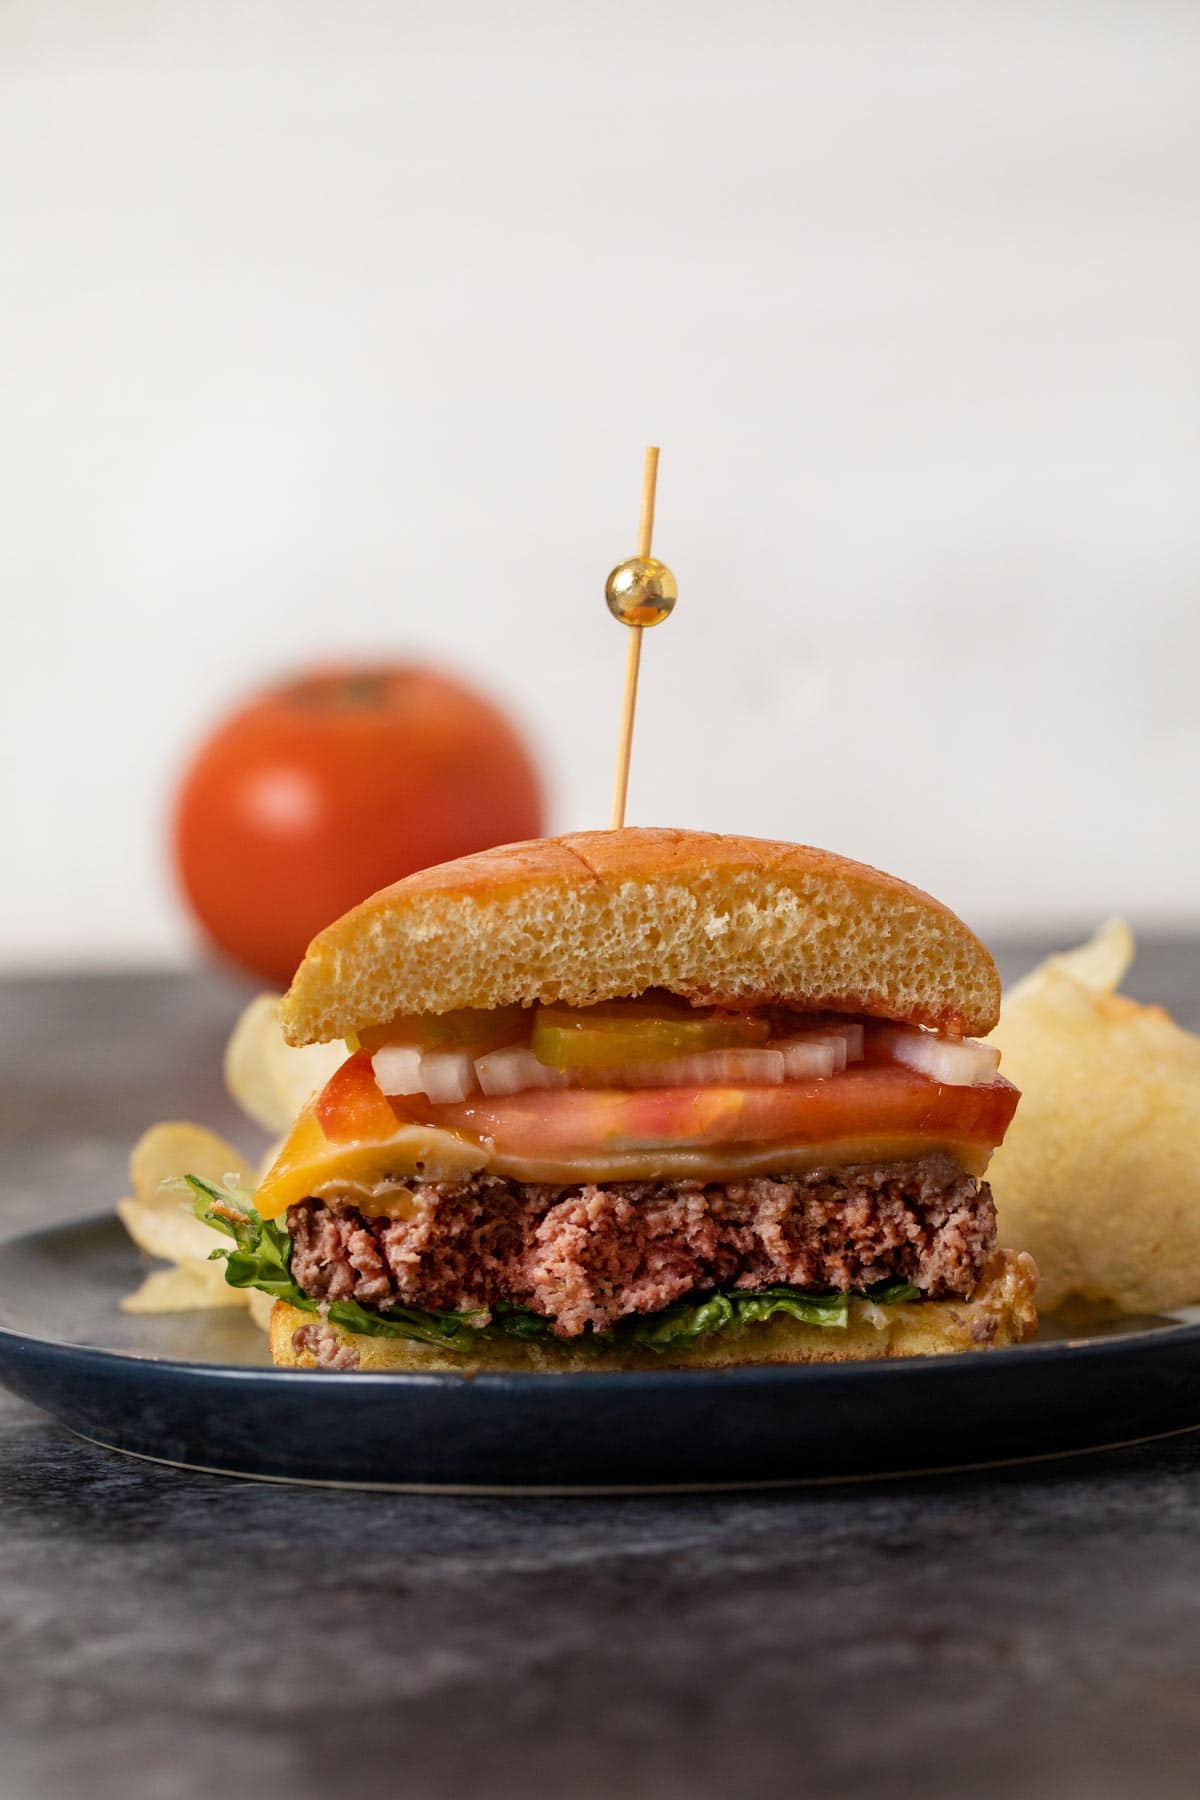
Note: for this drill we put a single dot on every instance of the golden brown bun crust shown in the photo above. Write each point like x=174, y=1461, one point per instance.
x=601, y=914
x=1002, y=1312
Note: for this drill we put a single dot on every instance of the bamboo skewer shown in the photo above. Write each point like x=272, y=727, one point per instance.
x=633, y=659
x=649, y=489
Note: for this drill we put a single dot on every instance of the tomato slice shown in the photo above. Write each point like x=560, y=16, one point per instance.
x=352, y=1108
x=884, y=1101
x=861, y=1102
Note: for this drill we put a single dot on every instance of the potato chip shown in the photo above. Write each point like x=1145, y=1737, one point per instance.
x=160, y=1220
x=1099, y=1176
x=189, y=1287
x=175, y=1148
x=269, y=1079
x=169, y=1231
x=1101, y=964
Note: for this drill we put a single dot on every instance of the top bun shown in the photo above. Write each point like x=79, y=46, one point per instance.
x=603, y=914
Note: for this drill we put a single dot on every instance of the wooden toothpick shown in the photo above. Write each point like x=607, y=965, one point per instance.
x=640, y=592
x=649, y=489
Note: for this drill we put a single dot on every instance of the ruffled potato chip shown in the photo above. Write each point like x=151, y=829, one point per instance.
x=271, y=1082
x=177, y=1147
x=1102, y=963
x=160, y=1220
x=168, y=1230
x=188, y=1287
x=1099, y=1176
x=269, y=1079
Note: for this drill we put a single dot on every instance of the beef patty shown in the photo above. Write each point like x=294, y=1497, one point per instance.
x=592, y=1254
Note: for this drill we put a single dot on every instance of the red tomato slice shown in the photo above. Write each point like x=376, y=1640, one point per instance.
x=352, y=1108
x=862, y=1102
x=883, y=1101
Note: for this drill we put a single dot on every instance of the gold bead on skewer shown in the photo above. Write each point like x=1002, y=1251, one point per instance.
x=641, y=591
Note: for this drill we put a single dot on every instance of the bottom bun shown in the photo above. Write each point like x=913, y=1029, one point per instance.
x=1001, y=1312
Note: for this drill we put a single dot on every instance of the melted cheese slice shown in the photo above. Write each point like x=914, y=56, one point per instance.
x=372, y=1176
x=310, y=1164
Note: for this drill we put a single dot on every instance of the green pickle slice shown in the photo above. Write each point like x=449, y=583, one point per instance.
x=631, y=1031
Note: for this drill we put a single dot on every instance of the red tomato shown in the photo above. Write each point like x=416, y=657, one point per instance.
x=883, y=1101
x=330, y=786
x=352, y=1108
x=862, y=1101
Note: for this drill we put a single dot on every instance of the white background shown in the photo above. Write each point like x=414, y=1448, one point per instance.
x=341, y=327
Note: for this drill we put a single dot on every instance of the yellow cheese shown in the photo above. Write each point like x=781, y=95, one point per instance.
x=372, y=1176
x=733, y=1162
x=309, y=1162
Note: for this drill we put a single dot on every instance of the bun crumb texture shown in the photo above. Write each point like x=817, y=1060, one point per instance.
x=601, y=915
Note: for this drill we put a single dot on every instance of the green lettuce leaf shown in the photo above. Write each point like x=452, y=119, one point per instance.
x=891, y=1293
x=262, y=1259
x=262, y=1255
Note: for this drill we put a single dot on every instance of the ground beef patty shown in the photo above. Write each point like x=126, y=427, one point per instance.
x=590, y=1255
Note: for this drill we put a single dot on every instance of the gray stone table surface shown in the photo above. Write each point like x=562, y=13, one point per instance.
x=1033, y=1631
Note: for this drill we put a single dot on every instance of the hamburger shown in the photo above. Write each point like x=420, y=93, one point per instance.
x=638, y=1098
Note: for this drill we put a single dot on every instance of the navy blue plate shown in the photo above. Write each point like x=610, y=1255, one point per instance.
x=197, y=1389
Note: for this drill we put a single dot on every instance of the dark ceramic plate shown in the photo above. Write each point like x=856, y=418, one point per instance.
x=197, y=1389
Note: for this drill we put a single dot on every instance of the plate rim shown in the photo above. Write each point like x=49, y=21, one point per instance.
x=635, y=1490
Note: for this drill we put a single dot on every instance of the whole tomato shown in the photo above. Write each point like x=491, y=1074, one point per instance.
x=333, y=784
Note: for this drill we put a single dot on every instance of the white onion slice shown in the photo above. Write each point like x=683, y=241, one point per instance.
x=512, y=1071
x=397, y=1069
x=955, y=1062
x=845, y=1041
x=706, y=1068
x=811, y=1055
x=850, y=1034
x=447, y=1075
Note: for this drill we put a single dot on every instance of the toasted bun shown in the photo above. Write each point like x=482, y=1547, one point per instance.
x=1002, y=1312
x=730, y=920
